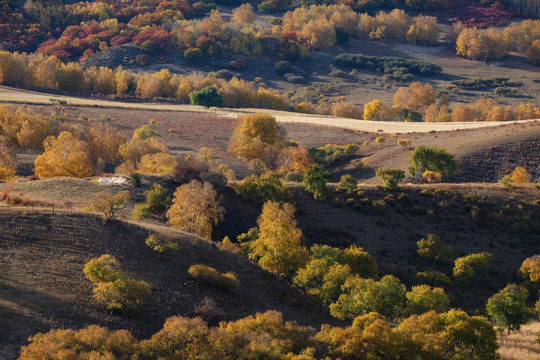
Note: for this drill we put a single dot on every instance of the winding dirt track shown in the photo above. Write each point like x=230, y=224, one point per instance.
x=18, y=96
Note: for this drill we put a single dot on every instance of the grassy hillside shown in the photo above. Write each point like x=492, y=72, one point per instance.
x=43, y=286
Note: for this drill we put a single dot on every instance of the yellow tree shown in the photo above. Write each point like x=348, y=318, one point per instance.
x=103, y=142
x=279, y=246
x=8, y=160
x=195, y=209
x=64, y=156
x=160, y=163
x=416, y=96
x=373, y=110
x=244, y=14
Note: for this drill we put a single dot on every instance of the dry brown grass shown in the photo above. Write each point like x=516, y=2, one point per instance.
x=520, y=345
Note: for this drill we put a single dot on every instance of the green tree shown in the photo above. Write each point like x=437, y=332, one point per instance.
x=266, y=187
x=193, y=54
x=112, y=286
x=508, y=307
x=423, y=298
x=156, y=198
x=425, y=158
x=361, y=262
x=145, y=132
x=315, y=179
x=207, y=97
x=279, y=245
x=362, y=296
x=432, y=247
x=348, y=184
x=464, y=266
x=390, y=177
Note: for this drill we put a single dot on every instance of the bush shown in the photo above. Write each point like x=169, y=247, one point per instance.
x=161, y=244
x=266, y=187
x=140, y=212
x=425, y=158
x=432, y=247
x=464, y=266
x=387, y=64
x=432, y=278
x=315, y=182
x=348, y=184
x=112, y=286
x=157, y=199
x=283, y=67
x=110, y=204
x=212, y=277
x=207, y=97
x=194, y=55
x=390, y=177
x=135, y=179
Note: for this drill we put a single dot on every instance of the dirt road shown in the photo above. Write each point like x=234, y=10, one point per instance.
x=18, y=96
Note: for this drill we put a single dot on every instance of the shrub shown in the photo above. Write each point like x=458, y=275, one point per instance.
x=161, y=244
x=156, y=198
x=140, y=212
x=530, y=268
x=194, y=55
x=110, y=204
x=266, y=187
x=432, y=247
x=283, y=67
x=425, y=158
x=348, y=184
x=112, y=286
x=207, y=97
x=432, y=278
x=210, y=276
x=135, y=179
x=464, y=266
x=423, y=298
x=390, y=177
x=315, y=182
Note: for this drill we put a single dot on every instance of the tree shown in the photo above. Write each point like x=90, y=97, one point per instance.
x=8, y=160
x=64, y=156
x=348, y=184
x=361, y=262
x=432, y=247
x=257, y=137
x=464, y=266
x=244, y=14
x=533, y=53
x=380, y=140
x=194, y=55
x=156, y=198
x=520, y=175
x=374, y=110
x=207, y=97
x=508, y=307
x=425, y=158
x=112, y=286
x=266, y=187
x=110, y=204
x=362, y=296
x=315, y=179
x=390, y=177
x=424, y=298
x=416, y=96
x=146, y=132
x=159, y=163
x=195, y=209
x=279, y=245
x=530, y=268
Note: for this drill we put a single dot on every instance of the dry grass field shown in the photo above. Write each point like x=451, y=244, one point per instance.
x=520, y=345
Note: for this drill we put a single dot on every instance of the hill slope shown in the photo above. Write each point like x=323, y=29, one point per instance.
x=42, y=285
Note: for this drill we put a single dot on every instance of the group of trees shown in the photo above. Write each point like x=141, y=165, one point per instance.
x=493, y=44
x=322, y=26
x=445, y=336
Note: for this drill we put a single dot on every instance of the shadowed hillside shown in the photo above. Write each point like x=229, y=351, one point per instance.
x=43, y=285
